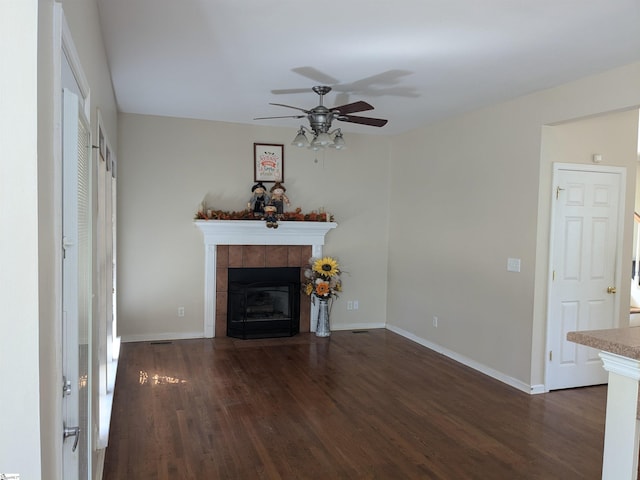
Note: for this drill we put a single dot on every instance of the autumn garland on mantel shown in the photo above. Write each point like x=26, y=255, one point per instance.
x=296, y=216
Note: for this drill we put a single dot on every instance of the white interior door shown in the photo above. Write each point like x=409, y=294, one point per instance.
x=585, y=235
x=76, y=284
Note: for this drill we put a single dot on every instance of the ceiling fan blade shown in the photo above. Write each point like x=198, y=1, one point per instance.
x=373, y=122
x=289, y=91
x=342, y=98
x=353, y=107
x=289, y=106
x=315, y=75
x=285, y=116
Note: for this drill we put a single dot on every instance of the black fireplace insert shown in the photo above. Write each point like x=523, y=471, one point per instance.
x=263, y=302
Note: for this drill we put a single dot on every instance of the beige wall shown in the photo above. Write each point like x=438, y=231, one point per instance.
x=167, y=166
x=465, y=197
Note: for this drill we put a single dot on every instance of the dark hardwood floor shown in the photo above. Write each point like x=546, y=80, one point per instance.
x=369, y=405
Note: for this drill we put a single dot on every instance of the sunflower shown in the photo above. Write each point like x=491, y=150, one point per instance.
x=322, y=289
x=322, y=278
x=326, y=266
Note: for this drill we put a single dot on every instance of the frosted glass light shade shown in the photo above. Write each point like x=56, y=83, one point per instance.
x=300, y=140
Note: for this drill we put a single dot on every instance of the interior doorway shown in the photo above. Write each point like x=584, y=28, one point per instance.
x=587, y=212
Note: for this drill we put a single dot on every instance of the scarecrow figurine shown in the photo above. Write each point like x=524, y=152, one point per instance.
x=258, y=200
x=278, y=198
x=270, y=216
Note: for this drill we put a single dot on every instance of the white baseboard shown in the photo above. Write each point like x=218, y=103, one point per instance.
x=513, y=382
x=159, y=337
x=357, y=326
x=538, y=389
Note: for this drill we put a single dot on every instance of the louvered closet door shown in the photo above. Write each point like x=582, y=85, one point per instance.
x=76, y=295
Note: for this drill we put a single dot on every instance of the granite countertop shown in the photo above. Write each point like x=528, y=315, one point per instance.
x=621, y=341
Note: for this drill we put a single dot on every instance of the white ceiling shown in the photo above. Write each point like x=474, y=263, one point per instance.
x=415, y=61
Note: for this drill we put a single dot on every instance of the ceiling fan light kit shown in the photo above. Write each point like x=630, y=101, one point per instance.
x=338, y=141
x=320, y=140
x=320, y=119
x=301, y=139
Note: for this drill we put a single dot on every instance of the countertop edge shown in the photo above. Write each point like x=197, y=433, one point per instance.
x=620, y=341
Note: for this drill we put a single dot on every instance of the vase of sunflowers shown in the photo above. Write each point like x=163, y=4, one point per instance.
x=322, y=283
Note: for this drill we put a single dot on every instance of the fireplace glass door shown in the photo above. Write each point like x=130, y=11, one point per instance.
x=263, y=302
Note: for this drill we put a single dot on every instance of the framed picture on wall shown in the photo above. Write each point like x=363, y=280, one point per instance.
x=268, y=162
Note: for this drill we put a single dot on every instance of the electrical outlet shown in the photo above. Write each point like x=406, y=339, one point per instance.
x=355, y=304
x=435, y=321
x=349, y=305
x=181, y=311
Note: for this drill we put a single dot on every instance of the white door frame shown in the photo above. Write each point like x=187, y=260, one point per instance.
x=578, y=167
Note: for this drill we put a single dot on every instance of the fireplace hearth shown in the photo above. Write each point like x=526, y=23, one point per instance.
x=263, y=302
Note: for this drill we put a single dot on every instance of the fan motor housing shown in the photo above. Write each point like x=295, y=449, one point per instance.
x=320, y=119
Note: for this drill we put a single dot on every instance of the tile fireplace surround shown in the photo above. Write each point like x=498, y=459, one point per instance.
x=249, y=243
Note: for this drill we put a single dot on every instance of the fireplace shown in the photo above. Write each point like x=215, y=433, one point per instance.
x=250, y=235
x=263, y=302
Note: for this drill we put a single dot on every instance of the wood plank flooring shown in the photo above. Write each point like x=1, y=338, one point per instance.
x=368, y=405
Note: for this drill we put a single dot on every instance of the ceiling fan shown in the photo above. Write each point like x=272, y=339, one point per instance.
x=320, y=120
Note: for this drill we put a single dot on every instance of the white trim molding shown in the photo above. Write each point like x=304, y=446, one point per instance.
x=624, y=366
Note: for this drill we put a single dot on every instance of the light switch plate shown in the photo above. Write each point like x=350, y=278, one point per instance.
x=513, y=264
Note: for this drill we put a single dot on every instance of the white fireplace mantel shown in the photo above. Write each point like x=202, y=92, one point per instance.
x=251, y=232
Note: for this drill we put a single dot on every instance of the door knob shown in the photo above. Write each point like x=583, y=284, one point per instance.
x=72, y=432
x=67, y=242
x=611, y=289
x=66, y=386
